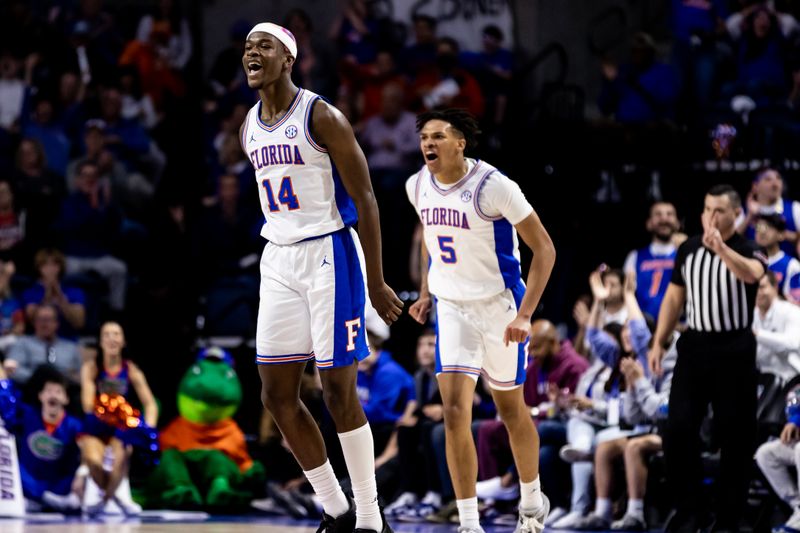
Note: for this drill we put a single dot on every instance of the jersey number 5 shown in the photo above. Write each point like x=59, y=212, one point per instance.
x=286, y=195
x=448, y=252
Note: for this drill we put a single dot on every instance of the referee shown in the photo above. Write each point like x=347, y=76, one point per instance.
x=714, y=282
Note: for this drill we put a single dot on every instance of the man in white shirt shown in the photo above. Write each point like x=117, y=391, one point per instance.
x=776, y=324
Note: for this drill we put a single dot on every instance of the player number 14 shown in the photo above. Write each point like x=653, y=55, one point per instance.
x=286, y=195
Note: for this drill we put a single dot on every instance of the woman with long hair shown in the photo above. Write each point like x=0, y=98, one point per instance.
x=110, y=376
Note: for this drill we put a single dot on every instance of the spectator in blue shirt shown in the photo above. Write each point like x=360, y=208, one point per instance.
x=642, y=90
x=421, y=54
x=46, y=440
x=384, y=387
x=48, y=290
x=761, y=60
x=125, y=137
x=492, y=68
x=90, y=223
x=46, y=129
x=697, y=49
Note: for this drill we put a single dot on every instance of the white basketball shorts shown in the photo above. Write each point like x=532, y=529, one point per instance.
x=312, y=302
x=469, y=339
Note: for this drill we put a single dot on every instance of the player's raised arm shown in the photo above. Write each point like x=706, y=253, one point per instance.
x=333, y=130
x=534, y=234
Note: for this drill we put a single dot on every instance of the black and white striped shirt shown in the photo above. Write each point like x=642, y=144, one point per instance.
x=716, y=300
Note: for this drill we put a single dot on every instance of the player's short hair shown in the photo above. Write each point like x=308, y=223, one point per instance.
x=460, y=120
x=723, y=189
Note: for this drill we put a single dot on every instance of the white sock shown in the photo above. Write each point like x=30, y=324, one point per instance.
x=530, y=495
x=602, y=508
x=635, y=508
x=359, y=454
x=327, y=488
x=468, y=512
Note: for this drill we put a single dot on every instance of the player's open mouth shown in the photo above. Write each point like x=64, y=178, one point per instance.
x=253, y=67
x=430, y=156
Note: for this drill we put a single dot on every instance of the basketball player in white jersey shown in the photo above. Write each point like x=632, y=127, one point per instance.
x=314, y=184
x=471, y=214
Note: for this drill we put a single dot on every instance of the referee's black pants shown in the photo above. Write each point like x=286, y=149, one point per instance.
x=716, y=368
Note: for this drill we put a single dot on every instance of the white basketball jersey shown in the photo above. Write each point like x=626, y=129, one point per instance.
x=472, y=256
x=302, y=195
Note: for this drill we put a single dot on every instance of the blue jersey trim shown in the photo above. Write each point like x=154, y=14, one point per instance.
x=504, y=248
x=345, y=205
x=349, y=301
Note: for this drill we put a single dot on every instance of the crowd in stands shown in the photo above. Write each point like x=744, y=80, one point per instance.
x=108, y=212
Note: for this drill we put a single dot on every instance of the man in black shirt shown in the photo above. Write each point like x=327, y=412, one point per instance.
x=714, y=282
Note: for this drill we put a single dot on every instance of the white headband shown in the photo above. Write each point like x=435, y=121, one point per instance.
x=279, y=32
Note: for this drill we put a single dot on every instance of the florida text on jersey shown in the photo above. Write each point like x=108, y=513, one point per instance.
x=473, y=255
x=301, y=193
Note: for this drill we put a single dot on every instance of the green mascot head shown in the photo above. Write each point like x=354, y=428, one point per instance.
x=210, y=390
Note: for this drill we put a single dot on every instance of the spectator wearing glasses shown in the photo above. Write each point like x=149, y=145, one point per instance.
x=44, y=346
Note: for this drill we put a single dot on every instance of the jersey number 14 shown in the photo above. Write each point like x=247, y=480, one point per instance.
x=286, y=195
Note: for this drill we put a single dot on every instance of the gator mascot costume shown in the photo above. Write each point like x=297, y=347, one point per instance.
x=204, y=460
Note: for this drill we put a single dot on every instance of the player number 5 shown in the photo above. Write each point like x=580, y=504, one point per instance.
x=448, y=252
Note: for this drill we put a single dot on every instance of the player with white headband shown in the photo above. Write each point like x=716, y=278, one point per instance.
x=314, y=186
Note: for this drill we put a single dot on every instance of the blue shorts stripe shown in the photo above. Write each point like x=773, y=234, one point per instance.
x=518, y=291
x=349, y=333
